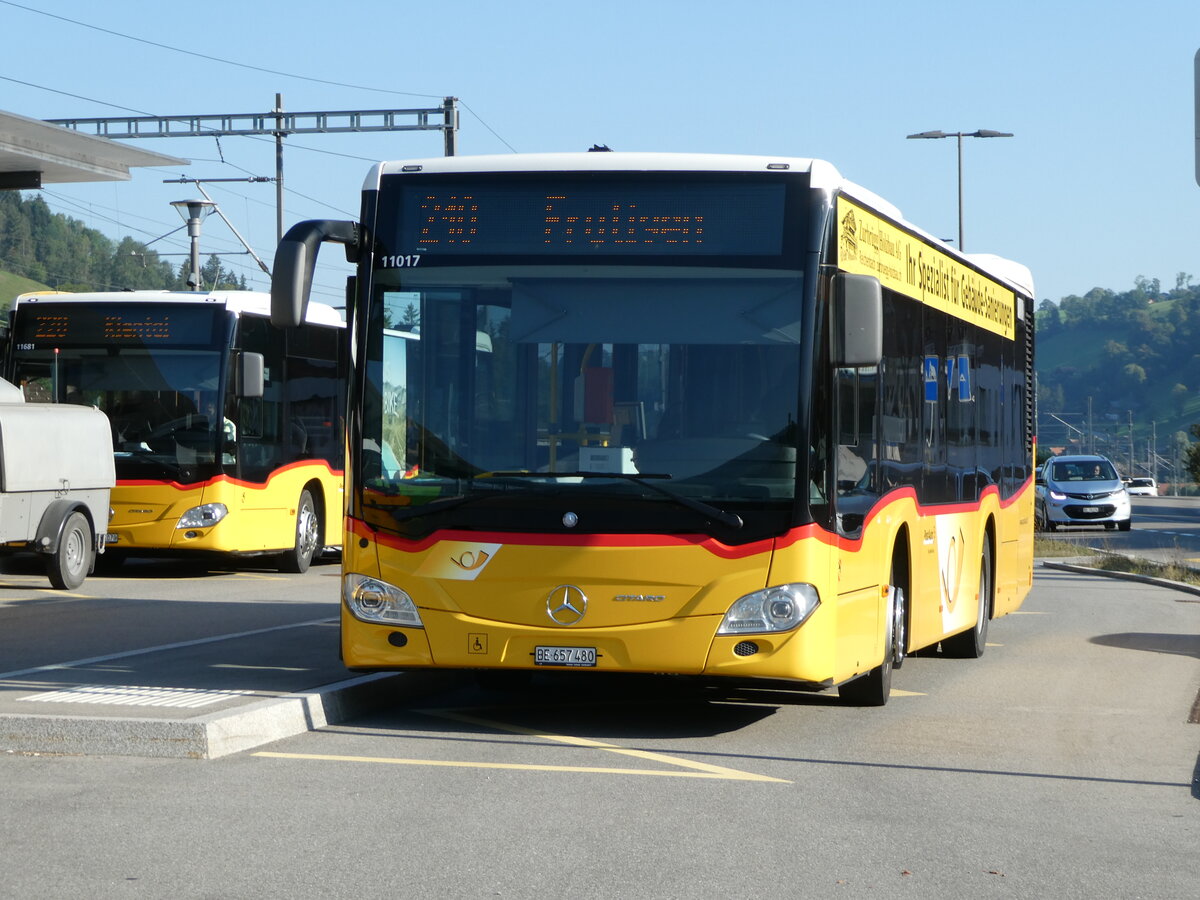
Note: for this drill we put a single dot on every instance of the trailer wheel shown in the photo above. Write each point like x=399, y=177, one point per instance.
x=69, y=565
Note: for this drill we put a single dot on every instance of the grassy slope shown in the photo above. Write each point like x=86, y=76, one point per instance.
x=1081, y=346
x=11, y=285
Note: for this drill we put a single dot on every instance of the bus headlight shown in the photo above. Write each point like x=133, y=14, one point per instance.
x=203, y=516
x=373, y=600
x=773, y=609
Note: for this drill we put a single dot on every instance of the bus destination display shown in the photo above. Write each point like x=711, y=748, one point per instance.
x=700, y=219
x=41, y=326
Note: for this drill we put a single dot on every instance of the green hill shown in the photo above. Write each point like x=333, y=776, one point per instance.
x=1122, y=367
x=12, y=285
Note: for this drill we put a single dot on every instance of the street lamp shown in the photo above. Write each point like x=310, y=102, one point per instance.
x=981, y=133
x=193, y=212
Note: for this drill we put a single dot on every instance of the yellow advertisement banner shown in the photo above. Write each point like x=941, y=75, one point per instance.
x=870, y=245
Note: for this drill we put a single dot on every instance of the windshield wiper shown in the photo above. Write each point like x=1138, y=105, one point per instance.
x=729, y=519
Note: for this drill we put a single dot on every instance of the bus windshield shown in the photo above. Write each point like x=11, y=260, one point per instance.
x=157, y=376
x=508, y=388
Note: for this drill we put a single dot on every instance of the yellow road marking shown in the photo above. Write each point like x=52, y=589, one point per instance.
x=725, y=774
x=699, y=769
x=713, y=771
x=261, y=576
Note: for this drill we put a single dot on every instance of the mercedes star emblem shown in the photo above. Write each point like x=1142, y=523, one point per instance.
x=566, y=604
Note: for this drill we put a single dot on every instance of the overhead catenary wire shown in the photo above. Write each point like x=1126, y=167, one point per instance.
x=231, y=62
x=216, y=59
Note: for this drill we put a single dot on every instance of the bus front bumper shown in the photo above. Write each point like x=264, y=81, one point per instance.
x=684, y=646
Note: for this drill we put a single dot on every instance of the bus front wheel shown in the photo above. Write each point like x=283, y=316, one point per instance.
x=69, y=565
x=971, y=644
x=874, y=688
x=308, y=535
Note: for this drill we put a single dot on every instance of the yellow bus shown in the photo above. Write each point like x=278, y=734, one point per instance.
x=227, y=435
x=705, y=415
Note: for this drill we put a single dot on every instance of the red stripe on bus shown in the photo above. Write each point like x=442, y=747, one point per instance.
x=237, y=482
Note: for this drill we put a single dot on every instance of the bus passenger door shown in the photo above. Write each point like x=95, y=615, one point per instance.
x=858, y=488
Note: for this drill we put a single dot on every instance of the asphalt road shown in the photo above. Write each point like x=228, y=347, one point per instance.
x=1061, y=764
x=1165, y=529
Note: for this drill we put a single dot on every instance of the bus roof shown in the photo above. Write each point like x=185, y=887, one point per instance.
x=822, y=175
x=257, y=302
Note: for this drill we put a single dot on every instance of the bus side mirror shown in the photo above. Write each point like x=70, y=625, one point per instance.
x=857, y=321
x=295, y=260
x=250, y=375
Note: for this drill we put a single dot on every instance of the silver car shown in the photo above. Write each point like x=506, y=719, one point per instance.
x=1081, y=490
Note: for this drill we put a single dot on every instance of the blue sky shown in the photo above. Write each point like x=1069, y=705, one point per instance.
x=1096, y=188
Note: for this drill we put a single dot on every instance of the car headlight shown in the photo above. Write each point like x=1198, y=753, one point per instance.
x=203, y=516
x=1058, y=495
x=773, y=609
x=373, y=600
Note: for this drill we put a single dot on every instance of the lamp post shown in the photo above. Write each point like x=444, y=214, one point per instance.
x=981, y=133
x=193, y=212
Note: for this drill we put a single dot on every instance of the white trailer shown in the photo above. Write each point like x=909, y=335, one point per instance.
x=56, y=472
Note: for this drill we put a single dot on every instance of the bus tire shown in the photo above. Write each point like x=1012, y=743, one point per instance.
x=69, y=565
x=308, y=536
x=971, y=643
x=874, y=688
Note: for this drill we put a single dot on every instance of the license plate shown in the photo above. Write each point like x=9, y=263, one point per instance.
x=1091, y=509
x=564, y=656
x=110, y=538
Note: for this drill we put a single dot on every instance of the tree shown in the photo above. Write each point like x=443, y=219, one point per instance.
x=59, y=251
x=1179, y=398
x=1049, y=319
x=1191, y=460
x=1134, y=374
x=215, y=277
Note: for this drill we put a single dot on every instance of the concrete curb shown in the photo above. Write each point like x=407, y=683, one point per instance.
x=202, y=737
x=1128, y=576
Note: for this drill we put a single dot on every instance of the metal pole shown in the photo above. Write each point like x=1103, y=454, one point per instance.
x=1154, y=451
x=194, y=233
x=450, y=135
x=1130, y=412
x=278, y=168
x=1091, y=430
x=960, y=194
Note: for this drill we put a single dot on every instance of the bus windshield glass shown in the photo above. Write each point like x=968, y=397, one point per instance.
x=157, y=374
x=491, y=390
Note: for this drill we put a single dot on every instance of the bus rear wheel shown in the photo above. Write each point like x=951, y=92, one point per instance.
x=69, y=565
x=308, y=535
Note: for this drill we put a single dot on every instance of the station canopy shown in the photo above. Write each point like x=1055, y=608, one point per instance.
x=34, y=153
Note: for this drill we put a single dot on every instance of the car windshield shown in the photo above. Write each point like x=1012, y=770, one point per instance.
x=1084, y=470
